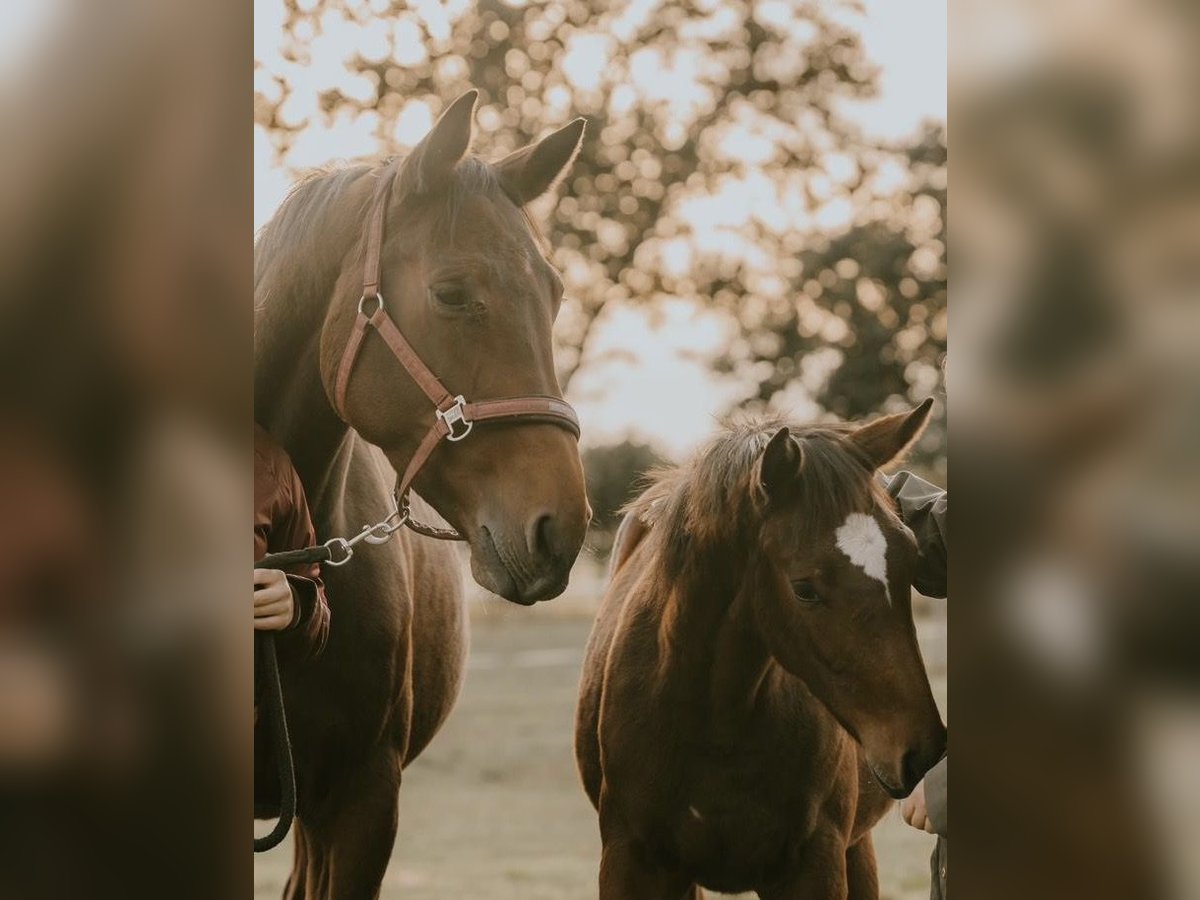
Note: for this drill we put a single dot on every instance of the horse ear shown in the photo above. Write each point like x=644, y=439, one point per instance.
x=776, y=468
x=432, y=160
x=887, y=439
x=531, y=171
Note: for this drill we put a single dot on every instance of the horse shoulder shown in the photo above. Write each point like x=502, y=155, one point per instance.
x=623, y=576
x=629, y=535
x=438, y=638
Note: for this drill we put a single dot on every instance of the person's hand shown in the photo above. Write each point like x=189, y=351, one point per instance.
x=913, y=811
x=273, y=604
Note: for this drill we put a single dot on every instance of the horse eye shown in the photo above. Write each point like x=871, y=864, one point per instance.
x=452, y=297
x=805, y=591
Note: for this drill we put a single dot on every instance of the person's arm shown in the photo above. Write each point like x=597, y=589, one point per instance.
x=293, y=530
x=923, y=509
x=925, y=808
x=274, y=601
x=935, y=798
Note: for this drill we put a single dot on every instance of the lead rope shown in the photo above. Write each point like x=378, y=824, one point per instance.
x=334, y=552
x=277, y=716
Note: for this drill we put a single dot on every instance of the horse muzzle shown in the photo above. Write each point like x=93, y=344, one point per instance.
x=527, y=567
x=904, y=772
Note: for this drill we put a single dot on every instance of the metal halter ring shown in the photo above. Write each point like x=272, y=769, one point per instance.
x=340, y=544
x=382, y=532
x=457, y=424
x=377, y=297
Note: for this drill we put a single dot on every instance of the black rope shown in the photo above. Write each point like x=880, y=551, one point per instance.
x=273, y=701
x=288, y=558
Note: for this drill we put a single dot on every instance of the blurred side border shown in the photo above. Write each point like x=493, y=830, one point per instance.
x=125, y=352
x=1075, y=440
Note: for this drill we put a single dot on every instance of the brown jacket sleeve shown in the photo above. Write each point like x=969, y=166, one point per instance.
x=311, y=618
x=282, y=522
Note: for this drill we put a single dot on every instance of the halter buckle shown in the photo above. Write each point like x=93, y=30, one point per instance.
x=455, y=418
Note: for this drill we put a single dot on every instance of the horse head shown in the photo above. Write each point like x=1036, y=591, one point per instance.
x=463, y=276
x=832, y=588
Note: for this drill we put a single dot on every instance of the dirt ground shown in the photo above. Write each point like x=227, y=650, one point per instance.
x=494, y=808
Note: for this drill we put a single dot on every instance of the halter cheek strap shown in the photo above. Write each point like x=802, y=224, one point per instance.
x=455, y=416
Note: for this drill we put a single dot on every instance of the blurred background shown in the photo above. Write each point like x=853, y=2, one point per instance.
x=756, y=221
x=1073, y=379
x=125, y=361
x=762, y=219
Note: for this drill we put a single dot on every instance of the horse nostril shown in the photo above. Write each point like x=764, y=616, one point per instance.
x=553, y=540
x=545, y=538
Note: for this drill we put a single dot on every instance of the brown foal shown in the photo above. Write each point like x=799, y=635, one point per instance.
x=753, y=692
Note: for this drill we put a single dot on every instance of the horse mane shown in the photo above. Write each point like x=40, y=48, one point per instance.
x=707, y=502
x=298, y=255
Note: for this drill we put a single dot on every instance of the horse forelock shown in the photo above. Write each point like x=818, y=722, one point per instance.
x=707, y=504
x=472, y=177
x=320, y=208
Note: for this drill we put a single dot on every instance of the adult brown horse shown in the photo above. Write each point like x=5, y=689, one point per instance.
x=464, y=280
x=753, y=663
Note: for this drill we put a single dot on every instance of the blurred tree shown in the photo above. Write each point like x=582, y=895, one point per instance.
x=863, y=327
x=614, y=472
x=719, y=166
x=872, y=297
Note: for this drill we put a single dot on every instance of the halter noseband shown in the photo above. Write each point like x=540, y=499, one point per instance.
x=455, y=417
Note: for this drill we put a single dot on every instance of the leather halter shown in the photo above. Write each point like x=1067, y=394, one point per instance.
x=454, y=415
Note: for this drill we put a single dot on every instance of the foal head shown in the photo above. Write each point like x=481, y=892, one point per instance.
x=832, y=574
x=465, y=279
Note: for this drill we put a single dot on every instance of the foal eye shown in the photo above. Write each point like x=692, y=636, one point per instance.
x=805, y=591
x=452, y=297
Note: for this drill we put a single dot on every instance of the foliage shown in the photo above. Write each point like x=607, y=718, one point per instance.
x=614, y=472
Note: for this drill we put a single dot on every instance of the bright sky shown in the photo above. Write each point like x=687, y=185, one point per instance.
x=666, y=394
x=907, y=40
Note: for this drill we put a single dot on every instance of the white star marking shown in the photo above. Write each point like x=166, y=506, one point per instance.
x=862, y=540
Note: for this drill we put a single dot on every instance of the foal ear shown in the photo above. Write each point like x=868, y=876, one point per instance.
x=775, y=471
x=531, y=171
x=432, y=160
x=887, y=439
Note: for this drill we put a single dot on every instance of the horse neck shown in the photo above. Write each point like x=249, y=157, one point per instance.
x=291, y=403
x=713, y=652
x=296, y=287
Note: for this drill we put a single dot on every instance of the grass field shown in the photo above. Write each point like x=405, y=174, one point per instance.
x=494, y=808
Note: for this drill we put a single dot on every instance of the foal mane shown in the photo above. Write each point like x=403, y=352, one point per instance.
x=707, y=503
